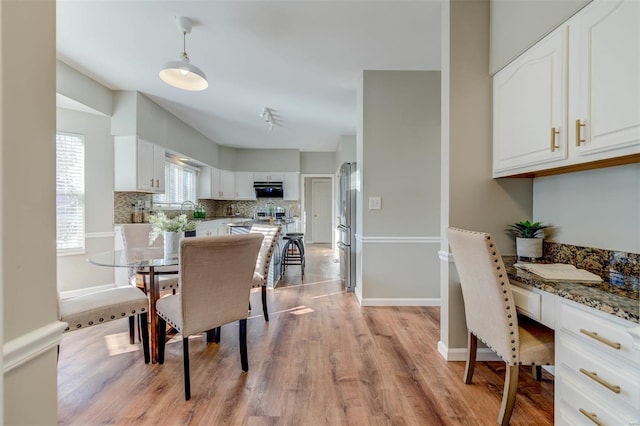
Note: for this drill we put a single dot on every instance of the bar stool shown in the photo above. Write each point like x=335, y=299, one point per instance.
x=293, y=251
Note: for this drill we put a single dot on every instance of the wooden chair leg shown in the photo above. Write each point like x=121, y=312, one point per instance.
x=143, y=320
x=162, y=337
x=187, y=378
x=536, y=371
x=508, y=394
x=132, y=330
x=211, y=335
x=264, y=303
x=472, y=348
x=243, y=345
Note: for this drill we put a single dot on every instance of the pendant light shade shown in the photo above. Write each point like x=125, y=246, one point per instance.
x=181, y=74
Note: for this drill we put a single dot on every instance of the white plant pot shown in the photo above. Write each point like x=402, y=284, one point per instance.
x=172, y=244
x=529, y=247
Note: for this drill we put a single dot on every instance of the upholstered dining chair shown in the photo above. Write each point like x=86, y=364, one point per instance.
x=215, y=284
x=107, y=305
x=260, y=276
x=491, y=313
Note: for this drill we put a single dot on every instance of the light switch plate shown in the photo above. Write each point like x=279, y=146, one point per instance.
x=375, y=203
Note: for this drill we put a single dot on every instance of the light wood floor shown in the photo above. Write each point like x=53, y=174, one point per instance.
x=321, y=360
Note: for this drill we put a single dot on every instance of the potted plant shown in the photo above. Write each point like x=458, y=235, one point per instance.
x=173, y=230
x=529, y=236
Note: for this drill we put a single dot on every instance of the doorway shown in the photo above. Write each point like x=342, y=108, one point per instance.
x=318, y=208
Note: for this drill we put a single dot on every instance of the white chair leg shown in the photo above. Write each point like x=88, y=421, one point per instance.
x=508, y=394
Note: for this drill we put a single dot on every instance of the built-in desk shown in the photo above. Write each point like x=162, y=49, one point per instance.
x=597, y=345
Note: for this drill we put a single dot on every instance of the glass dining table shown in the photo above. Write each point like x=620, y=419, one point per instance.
x=144, y=260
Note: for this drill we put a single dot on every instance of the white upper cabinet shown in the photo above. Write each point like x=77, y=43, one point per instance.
x=529, y=108
x=244, y=186
x=268, y=177
x=605, y=107
x=138, y=165
x=572, y=100
x=291, y=186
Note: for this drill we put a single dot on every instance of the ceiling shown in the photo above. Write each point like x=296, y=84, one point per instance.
x=302, y=59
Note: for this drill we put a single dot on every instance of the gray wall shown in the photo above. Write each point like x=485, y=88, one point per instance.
x=399, y=161
x=82, y=89
x=595, y=208
x=75, y=272
x=471, y=198
x=317, y=162
x=27, y=212
x=267, y=160
x=346, y=151
x=516, y=25
x=135, y=114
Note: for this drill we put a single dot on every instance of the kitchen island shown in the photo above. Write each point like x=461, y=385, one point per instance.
x=286, y=224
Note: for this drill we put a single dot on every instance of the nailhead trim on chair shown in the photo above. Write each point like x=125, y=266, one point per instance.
x=494, y=253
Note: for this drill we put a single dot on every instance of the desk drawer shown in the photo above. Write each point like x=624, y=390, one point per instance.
x=576, y=405
x=603, y=331
x=527, y=302
x=614, y=381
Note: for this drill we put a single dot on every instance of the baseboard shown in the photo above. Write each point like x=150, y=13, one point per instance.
x=81, y=291
x=398, y=302
x=460, y=354
x=24, y=348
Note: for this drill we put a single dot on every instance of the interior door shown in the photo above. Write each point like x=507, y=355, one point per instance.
x=321, y=210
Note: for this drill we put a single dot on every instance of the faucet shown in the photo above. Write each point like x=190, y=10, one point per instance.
x=193, y=205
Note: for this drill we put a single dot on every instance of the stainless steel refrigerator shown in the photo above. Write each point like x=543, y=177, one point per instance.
x=347, y=225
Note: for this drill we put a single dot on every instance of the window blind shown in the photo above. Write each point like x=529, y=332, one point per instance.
x=69, y=193
x=179, y=185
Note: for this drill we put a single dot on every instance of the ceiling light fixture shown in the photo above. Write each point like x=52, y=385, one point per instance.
x=181, y=74
x=268, y=117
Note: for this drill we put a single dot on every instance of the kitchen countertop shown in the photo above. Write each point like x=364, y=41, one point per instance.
x=603, y=296
x=249, y=222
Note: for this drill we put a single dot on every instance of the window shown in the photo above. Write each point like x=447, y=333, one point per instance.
x=69, y=193
x=179, y=185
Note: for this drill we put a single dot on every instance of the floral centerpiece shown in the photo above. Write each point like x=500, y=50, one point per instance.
x=160, y=224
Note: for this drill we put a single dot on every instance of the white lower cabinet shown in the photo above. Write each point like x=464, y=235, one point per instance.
x=597, y=368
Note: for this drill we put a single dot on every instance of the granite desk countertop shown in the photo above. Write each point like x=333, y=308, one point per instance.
x=618, y=301
x=249, y=222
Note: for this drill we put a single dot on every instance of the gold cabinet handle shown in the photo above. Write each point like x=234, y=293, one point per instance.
x=157, y=183
x=594, y=376
x=594, y=335
x=592, y=417
x=554, y=132
x=579, y=126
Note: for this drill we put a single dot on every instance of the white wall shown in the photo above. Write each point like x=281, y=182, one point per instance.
x=517, y=25
x=27, y=228
x=596, y=208
x=400, y=162
x=75, y=272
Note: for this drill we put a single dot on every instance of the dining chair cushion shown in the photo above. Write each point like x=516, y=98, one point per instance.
x=536, y=343
x=102, y=306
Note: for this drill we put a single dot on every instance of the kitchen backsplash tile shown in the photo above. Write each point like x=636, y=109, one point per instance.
x=247, y=208
x=122, y=202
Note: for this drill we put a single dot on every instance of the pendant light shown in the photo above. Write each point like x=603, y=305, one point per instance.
x=182, y=74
